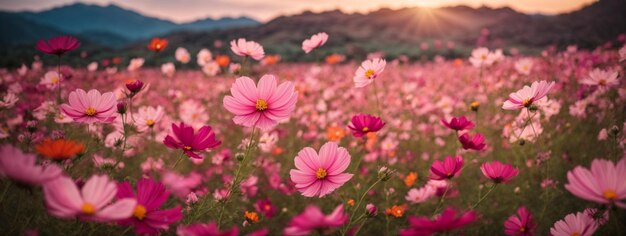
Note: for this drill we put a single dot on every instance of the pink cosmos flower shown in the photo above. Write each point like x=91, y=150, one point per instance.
x=449, y=220
x=147, y=218
x=604, y=183
x=521, y=224
x=601, y=78
x=498, y=172
x=314, y=219
x=261, y=106
x=241, y=47
x=368, y=71
x=92, y=202
x=22, y=167
x=458, y=124
x=90, y=107
x=420, y=195
x=265, y=207
x=362, y=124
x=316, y=41
x=448, y=168
x=147, y=117
x=575, y=224
x=180, y=185
x=319, y=175
x=204, y=230
x=185, y=139
x=525, y=97
x=58, y=45
x=474, y=143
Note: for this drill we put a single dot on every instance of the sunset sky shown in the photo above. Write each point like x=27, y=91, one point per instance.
x=263, y=10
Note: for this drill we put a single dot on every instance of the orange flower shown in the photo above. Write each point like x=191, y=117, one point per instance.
x=270, y=59
x=157, y=44
x=277, y=151
x=458, y=62
x=396, y=211
x=350, y=202
x=222, y=60
x=116, y=60
x=335, y=133
x=59, y=149
x=409, y=180
x=335, y=59
x=251, y=216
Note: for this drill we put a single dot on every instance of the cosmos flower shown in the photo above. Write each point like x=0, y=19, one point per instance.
x=263, y=105
x=603, y=183
x=319, y=175
x=135, y=64
x=521, y=224
x=51, y=80
x=244, y=48
x=525, y=97
x=482, y=57
x=92, y=202
x=185, y=139
x=458, y=124
x=59, y=149
x=182, y=55
x=147, y=117
x=368, y=71
x=316, y=41
x=8, y=100
x=579, y=224
x=362, y=124
x=134, y=86
x=420, y=195
x=90, y=107
x=313, y=219
x=498, y=172
x=147, y=218
x=168, y=69
x=204, y=56
x=448, y=168
x=524, y=66
x=474, y=143
x=266, y=207
x=204, y=230
x=157, y=44
x=58, y=45
x=22, y=167
x=448, y=220
x=601, y=78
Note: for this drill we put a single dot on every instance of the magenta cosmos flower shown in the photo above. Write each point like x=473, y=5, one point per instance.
x=447, y=169
x=204, y=230
x=319, y=175
x=244, y=48
x=263, y=105
x=368, y=71
x=521, y=224
x=447, y=221
x=58, y=45
x=185, y=139
x=604, y=183
x=316, y=41
x=579, y=224
x=525, y=97
x=362, y=124
x=90, y=107
x=458, y=124
x=147, y=218
x=93, y=202
x=498, y=172
x=22, y=167
x=474, y=143
x=314, y=219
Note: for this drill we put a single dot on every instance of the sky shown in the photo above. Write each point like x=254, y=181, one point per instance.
x=264, y=10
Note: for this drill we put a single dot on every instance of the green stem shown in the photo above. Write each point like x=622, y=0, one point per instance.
x=443, y=199
x=377, y=100
x=182, y=154
x=358, y=205
x=484, y=196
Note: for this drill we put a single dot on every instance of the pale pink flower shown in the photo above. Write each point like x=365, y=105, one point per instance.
x=313, y=219
x=8, y=100
x=204, y=57
x=147, y=117
x=263, y=105
x=168, y=69
x=524, y=66
x=252, y=49
x=93, y=202
x=319, y=175
x=90, y=107
x=211, y=68
x=193, y=113
x=182, y=55
x=482, y=57
x=135, y=64
x=51, y=80
x=22, y=167
x=317, y=40
x=603, y=183
x=420, y=195
x=579, y=224
x=601, y=78
x=525, y=97
x=368, y=71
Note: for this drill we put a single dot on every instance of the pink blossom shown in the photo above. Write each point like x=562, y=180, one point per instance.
x=458, y=124
x=319, y=175
x=449, y=220
x=525, y=97
x=448, y=168
x=22, y=167
x=241, y=47
x=317, y=40
x=58, y=45
x=204, y=230
x=90, y=107
x=314, y=219
x=603, y=183
x=498, y=172
x=575, y=224
x=521, y=224
x=368, y=71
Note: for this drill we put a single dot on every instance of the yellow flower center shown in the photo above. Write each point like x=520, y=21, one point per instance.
x=90, y=111
x=602, y=82
x=321, y=173
x=150, y=122
x=187, y=148
x=522, y=229
x=609, y=194
x=576, y=234
x=369, y=73
x=526, y=102
x=261, y=105
x=365, y=129
x=55, y=80
x=88, y=208
x=140, y=212
x=483, y=57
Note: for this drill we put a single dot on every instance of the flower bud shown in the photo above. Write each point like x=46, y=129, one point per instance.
x=121, y=107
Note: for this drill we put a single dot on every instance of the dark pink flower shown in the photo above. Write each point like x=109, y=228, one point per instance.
x=185, y=139
x=134, y=86
x=265, y=207
x=498, y=172
x=474, y=143
x=204, y=230
x=521, y=224
x=147, y=218
x=58, y=45
x=447, y=221
x=458, y=124
x=362, y=124
x=313, y=219
x=446, y=169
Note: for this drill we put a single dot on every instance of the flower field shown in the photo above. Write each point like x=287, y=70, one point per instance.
x=245, y=144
